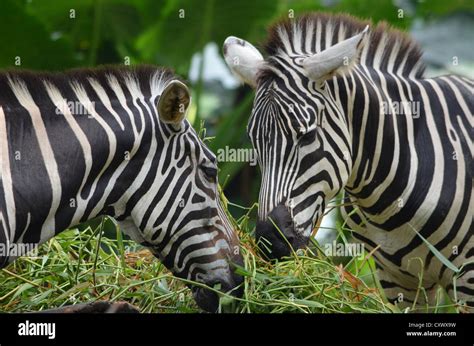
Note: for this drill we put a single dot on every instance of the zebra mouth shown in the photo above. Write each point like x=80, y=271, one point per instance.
x=206, y=299
x=277, y=236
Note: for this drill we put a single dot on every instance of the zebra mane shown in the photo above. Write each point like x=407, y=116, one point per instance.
x=148, y=78
x=315, y=32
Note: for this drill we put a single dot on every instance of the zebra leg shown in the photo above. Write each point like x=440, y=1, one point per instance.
x=463, y=292
x=406, y=294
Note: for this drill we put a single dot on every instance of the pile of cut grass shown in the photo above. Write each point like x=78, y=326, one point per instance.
x=85, y=266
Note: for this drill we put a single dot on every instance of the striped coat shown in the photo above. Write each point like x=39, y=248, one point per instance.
x=113, y=141
x=343, y=106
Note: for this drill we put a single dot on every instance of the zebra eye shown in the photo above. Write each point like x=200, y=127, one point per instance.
x=210, y=172
x=308, y=138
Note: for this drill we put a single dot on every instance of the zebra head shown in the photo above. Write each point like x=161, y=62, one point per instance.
x=125, y=149
x=298, y=130
x=180, y=218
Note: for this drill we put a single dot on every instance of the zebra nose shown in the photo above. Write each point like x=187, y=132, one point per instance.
x=208, y=300
x=276, y=237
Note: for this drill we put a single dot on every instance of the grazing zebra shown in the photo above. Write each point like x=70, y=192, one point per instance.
x=340, y=107
x=113, y=141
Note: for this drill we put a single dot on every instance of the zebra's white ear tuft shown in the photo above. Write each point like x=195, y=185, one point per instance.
x=335, y=59
x=174, y=102
x=243, y=59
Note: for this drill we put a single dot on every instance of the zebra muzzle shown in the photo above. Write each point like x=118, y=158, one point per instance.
x=208, y=299
x=277, y=237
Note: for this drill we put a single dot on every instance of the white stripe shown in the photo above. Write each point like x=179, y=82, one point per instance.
x=7, y=178
x=62, y=106
x=105, y=100
x=24, y=98
x=81, y=95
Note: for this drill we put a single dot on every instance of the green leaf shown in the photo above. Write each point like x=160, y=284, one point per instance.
x=442, y=7
x=25, y=37
x=309, y=303
x=435, y=251
x=24, y=287
x=183, y=27
x=382, y=10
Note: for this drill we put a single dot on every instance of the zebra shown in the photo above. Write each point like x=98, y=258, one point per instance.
x=114, y=141
x=325, y=121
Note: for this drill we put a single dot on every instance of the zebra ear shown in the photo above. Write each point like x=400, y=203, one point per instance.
x=243, y=59
x=174, y=102
x=335, y=59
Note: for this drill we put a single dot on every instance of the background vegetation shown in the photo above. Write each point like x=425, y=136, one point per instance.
x=82, y=266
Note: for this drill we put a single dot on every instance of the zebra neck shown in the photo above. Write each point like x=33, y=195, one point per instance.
x=375, y=126
x=67, y=162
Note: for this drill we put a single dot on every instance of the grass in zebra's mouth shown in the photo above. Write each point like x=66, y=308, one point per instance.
x=78, y=267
